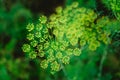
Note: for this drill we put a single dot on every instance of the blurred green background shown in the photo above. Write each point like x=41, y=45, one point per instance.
x=14, y=65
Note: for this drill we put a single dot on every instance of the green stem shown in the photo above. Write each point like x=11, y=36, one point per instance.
x=101, y=64
x=64, y=71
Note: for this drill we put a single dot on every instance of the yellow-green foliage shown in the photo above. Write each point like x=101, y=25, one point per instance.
x=65, y=34
x=114, y=5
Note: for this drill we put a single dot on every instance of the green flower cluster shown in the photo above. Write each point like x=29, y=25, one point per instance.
x=64, y=35
x=76, y=26
x=114, y=5
x=38, y=34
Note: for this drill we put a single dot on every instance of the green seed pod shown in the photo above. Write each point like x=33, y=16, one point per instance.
x=50, y=58
x=38, y=35
x=39, y=27
x=26, y=48
x=41, y=54
x=59, y=55
x=34, y=43
x=50, y=51
x=30, y=27
x=66, y=59
x=30, y=36
x=43, y=19
x=55, y=66
x=62, y=47
x=59, y=10
x=44, y=64
x=82, y=42
x=32, y=54
x=69, y=52
x=42, y=40
x=46, y=45
x=75, y=5
x=39, y=47
x=77, y=52
x=92, y=46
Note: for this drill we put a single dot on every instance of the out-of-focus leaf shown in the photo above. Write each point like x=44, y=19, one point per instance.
x=10, y=46
x=3, y=73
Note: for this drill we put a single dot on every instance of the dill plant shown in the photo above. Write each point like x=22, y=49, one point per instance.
x=114, y=5
x=65, y=34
